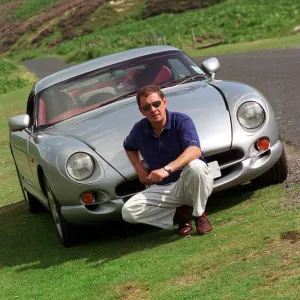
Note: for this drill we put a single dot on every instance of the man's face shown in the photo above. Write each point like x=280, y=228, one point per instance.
x=153, y=108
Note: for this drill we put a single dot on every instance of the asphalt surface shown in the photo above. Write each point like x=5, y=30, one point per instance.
x=275, y=73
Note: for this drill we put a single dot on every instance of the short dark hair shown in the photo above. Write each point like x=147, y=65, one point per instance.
x=147, y=90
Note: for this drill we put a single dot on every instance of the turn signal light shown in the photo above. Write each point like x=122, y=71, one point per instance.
x=263, y=144
x=88, y=198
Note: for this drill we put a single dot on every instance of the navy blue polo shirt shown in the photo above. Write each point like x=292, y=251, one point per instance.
x=179, y=133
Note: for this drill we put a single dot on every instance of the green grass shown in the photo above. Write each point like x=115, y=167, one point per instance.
x=11, y=104
x=245, y=257
x=7, y=67
x=13, y=77
x=235, y=20
x=29, y=8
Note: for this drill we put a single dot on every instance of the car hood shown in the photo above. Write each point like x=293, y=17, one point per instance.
x=105, y=129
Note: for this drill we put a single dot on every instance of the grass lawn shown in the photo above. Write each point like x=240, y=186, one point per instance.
x=248, y=255
x=252, y=253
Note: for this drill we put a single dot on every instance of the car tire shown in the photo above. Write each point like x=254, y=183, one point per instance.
x=63, y=228
x=277, y=174
x=33, y=204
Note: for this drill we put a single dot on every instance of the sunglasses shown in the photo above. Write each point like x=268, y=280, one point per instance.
x=155, y=104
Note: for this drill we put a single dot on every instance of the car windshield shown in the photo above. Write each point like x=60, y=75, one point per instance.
x=114, y=83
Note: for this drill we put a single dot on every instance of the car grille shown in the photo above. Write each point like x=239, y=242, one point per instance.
x=228, y=157
x=129, y=188
x=227, y=161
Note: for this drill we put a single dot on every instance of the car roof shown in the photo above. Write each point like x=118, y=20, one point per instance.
x=98, y=63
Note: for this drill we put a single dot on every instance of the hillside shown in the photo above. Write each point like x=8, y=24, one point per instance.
x=81, y=30
x=50, y=22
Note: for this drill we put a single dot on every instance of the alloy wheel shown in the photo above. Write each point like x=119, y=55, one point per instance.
x=54, y=210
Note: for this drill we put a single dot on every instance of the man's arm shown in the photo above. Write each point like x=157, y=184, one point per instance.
x=189, y=154
x=142, y=172
x=189, y=141
x=131, y=147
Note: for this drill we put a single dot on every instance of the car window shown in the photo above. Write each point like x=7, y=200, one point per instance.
x=179, y=67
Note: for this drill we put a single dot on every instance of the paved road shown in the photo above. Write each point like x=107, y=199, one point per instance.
x=43, y=67
x=274, y=72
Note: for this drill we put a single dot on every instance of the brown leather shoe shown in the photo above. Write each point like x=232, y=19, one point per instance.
x=185, y=229
x=183, y=216
x=203, y=226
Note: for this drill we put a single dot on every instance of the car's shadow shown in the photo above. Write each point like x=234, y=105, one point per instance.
x=30, y=241
x=228, y=198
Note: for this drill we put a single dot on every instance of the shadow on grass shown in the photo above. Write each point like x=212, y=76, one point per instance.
x=30, y=241
x=229, y=198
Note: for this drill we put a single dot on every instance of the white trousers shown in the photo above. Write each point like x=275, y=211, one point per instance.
x=157, y=204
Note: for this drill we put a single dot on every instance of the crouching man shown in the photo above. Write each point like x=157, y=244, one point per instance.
x=178, y=178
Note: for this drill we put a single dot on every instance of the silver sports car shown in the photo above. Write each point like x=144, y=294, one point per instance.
x=68, y=147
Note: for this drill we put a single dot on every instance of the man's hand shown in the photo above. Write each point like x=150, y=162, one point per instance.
x=157, y=175
x=141, y=171
x=143, y=175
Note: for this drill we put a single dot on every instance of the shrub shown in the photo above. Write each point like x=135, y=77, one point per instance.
x=9, y=84
x=6, y=67
x=9, y=78
x=66, y=48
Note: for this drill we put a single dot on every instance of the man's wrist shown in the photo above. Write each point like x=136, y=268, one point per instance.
x=168, y=169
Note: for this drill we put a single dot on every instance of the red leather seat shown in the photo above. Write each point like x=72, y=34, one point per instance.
x=130, y=79
x=47, y=110
x=164, y=75
x=42, y=118
x=140, y=77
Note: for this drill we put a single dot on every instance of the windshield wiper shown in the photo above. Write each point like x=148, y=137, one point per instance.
x=133, y=93
x=192, y=77
x=183, y=80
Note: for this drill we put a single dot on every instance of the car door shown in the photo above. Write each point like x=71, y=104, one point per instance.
x=20, y=145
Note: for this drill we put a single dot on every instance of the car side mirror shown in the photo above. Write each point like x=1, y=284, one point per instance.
x=19, y=123
x=211, y=66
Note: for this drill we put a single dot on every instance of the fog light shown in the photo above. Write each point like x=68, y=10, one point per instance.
x=263, y=144
x=88, y=198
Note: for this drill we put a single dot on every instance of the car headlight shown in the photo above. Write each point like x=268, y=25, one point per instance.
x=251, y=115
x=80, y=166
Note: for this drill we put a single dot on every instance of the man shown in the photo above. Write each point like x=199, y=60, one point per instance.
x=177, y=174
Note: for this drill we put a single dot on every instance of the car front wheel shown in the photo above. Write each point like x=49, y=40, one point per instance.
x=277, y=174
x=63, y=228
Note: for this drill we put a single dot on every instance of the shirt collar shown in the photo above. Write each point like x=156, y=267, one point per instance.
x=148, y=126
